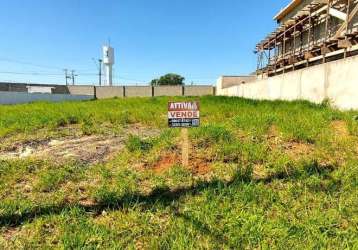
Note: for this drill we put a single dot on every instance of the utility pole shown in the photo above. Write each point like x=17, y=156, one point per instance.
x=66, y=76
x=100, y=71
x=99, y=67
x=72, y=77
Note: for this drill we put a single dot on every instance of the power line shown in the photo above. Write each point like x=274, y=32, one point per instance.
x=128, y=79
x=29, y=73
x=34, y=65
x=42, y=73
x=28, y=63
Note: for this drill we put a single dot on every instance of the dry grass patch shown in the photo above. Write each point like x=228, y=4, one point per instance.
x=340, y=129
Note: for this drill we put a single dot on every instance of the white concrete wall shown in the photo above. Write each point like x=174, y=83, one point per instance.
x=229, y=81
x=342, y=87
x=336, y=81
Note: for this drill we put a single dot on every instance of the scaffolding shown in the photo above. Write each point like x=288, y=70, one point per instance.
x=310, y=33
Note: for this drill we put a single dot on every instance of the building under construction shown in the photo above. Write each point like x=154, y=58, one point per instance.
x=310, y=32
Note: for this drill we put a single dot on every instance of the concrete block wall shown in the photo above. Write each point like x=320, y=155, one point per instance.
x=138, y=91
x=104, y=92
x=19, y=87
x=109, y=92
x=60, y=89
x=148, y=91
x=199, y=90
x=336, y=81
x=168, y=91
x=81, y=90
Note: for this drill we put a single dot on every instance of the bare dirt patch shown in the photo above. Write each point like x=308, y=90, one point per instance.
x=291, y=148
x=86, y=149
x=295, y=149
x=166, y=162
x=201, y=167
x=196, y=165
x=9, y=233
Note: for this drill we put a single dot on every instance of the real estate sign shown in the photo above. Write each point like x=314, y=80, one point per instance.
x=183, y=114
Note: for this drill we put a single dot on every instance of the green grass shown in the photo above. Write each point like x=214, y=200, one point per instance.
x=265, y=175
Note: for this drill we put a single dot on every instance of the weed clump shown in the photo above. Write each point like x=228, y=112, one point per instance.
x=135, y=143
x=88, y=127
x=65, y=121
x=72, y=120
x=61, y=122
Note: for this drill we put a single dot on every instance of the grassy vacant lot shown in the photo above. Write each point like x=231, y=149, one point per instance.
x=262, y=175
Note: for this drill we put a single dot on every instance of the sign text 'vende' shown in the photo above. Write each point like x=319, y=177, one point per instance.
x=183, y=114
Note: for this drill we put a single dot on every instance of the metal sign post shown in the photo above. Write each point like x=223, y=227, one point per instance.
x=184, y=115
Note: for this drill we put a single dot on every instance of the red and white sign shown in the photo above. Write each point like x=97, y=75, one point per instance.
x=183, y=114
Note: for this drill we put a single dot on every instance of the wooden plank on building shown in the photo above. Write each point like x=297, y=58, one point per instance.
x=325, y=50
x=308, y=55
x=344, y=44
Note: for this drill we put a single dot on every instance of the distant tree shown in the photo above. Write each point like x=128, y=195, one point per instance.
x=168, y=79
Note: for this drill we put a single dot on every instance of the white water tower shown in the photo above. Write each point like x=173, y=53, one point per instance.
x=108, y=61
